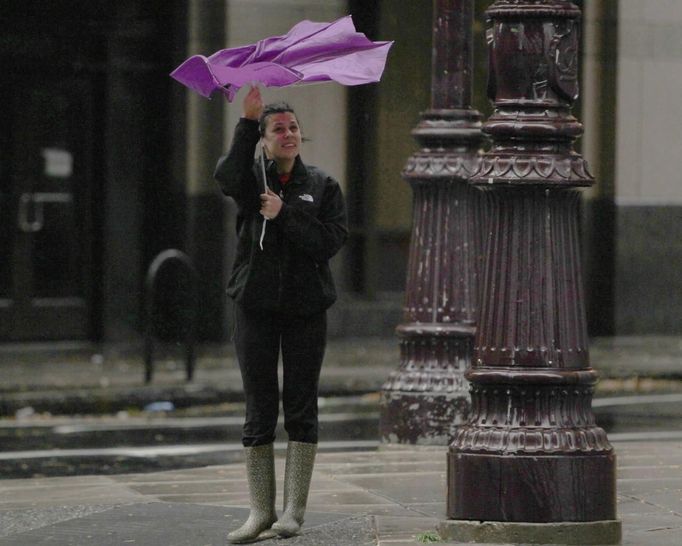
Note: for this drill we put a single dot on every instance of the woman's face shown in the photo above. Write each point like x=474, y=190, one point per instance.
x=282, y=137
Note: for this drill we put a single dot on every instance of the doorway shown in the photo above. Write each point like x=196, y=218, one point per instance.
x=46, y=225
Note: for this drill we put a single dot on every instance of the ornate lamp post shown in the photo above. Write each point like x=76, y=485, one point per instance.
x=427, y=396
x=531, y=465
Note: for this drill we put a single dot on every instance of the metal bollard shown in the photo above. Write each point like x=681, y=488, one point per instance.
x=151, y=284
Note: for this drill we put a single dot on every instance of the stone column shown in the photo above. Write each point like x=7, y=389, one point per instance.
x=531, y=465
x=207, y=231
x=424, y=400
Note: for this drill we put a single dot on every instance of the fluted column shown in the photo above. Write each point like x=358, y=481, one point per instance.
x=531, y=459
x=427, y=397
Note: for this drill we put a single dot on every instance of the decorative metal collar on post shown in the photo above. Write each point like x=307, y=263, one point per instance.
x=424, y=400
x=531, y=465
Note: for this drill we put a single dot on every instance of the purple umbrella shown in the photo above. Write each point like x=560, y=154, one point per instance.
x=310, y=52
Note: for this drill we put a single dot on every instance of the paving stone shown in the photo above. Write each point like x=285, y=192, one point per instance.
x=658, y=532
x=390, y=467
x=432, y=509
x=322, y=482
x=368, y=509
x=355, y=531
x=216, y=499
x=210, y=473
x=650, y=472
x=405, y=489
x=36, y=483
x=640, y=488
x=149, y=524
x=629, y=506
x=655, y=520
x=358, y=496
x=664, y=450
x=669, y=500
x=18, y=521
x=382, y=455
x=190, y=487
x=65, y=493
x=315, y=518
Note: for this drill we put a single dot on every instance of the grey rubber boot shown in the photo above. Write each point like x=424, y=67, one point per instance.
x=297, y=475
x=260, y=474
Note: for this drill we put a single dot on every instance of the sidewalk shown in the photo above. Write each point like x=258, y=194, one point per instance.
x=385, y=498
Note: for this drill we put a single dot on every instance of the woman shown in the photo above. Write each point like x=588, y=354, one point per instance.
x=282, y=286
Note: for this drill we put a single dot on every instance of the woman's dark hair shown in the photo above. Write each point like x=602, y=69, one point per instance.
x=268, y=110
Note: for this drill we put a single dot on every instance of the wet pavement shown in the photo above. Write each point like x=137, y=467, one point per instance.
x=78, y=411
x=43, y=446
x=385, y=497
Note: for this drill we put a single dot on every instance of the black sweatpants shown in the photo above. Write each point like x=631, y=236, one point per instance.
x=258, y=338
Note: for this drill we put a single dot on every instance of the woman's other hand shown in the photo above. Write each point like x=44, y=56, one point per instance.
x=270, y=204
x=253, y=104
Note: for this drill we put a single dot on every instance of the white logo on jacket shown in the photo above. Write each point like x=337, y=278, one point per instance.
x=306, y=197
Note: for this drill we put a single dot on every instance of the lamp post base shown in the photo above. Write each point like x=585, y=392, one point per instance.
x=421, y=418
x=502, y=532
x=425, y=400
x=531, y=488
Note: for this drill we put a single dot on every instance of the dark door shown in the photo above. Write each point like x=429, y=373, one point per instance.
x=45, y=222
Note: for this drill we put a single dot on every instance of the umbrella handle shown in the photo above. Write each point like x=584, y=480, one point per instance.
x=265, y=190
x=262, y=164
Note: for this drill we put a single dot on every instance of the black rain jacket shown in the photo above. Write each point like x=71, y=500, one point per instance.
x=291, y=274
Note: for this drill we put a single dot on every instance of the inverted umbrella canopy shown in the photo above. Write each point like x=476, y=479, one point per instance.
x=310, y=52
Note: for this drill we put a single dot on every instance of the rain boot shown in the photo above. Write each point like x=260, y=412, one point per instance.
x=297, y=475
x=260, y=475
